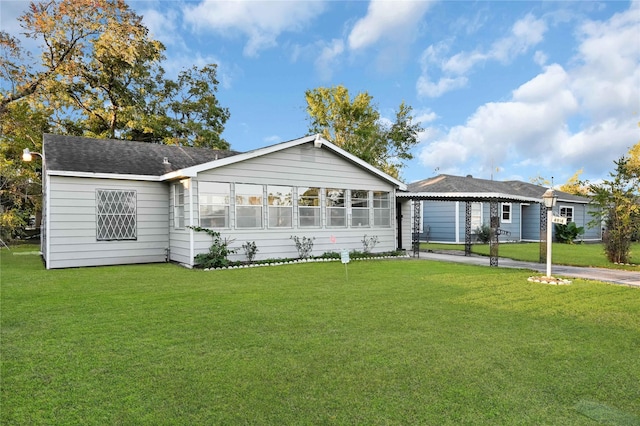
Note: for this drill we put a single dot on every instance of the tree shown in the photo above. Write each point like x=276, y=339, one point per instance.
x=98, y=74
x=619, y=200
x=574, y=185
x=356, y=126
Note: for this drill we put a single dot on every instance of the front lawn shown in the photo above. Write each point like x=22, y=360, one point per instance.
x=590, y=255
x=396, y=342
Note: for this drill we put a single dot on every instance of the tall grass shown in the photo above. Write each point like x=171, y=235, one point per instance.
x=395, y=342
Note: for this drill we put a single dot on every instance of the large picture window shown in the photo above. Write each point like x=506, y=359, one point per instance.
x=116, y=212
x=381, y=209
x=336, y=207
x=359, y=208
x=213, y=200
x=178, y=206
x=248, y=206
x=309, y=207
x=280, y=206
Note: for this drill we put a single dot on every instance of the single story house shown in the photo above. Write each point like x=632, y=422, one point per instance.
x=108, y=202
x=443, y=209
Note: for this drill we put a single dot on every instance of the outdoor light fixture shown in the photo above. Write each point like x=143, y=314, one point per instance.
x=28, y=155
x=549, y=198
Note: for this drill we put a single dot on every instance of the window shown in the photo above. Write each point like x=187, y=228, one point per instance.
x=178, y=206
x=476, y=216
x=359, y=208
x=248, y=206
x=116, y=215
x=280, y=206
x=566, y=211
x=213, y=199
x=506, y=213
x=336, y=207
x=309, y=207
x=381, y=209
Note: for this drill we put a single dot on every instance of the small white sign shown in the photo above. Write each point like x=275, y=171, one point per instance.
x=559, y=219
x=345, y=256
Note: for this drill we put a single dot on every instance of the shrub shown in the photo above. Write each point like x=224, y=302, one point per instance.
x=217, y=256
x=568, y=233
x=250, y=250
x=483, y=233
x=369, y=243
x=304, y=246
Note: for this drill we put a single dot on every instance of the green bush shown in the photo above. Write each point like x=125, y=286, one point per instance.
x=568, y=233
x=483, y=233
x=217, y=256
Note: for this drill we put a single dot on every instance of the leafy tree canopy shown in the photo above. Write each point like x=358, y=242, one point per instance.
x=355, y=125
x=97, y=73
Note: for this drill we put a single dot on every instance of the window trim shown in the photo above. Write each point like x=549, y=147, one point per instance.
x=567, y=207
x=343, y=208
x=227, y=205
x=316, y=208
x=270, y=207
x=100, y=223
x=261, y=205
x=378, y=209
x=367, y=209
x=502, y=212
x=177, y=189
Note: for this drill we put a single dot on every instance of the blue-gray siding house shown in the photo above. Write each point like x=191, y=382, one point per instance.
x=444, y=211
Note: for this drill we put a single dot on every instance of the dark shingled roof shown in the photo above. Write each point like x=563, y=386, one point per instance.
x=78, y=154
x=449, y=184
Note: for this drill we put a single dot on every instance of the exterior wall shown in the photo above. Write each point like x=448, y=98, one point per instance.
x=71, y=217
x=406, y=222
x=300, y=166
x=439, y=221
x=581, y=217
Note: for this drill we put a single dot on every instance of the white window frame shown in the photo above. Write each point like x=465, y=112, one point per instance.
x=509, y=212
x=303, y=206
x=567, y=209
x=379, y=209
x=214, y=196
x=336, y=206
x=116, y=215
x=280, y=206
x=358, y=207
x=178, y=206
x=477, y=212
x=254, y=202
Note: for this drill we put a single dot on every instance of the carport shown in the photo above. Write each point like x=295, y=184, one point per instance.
x=492, y=198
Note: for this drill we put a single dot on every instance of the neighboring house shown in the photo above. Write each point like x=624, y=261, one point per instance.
x=109, y=202
x=444, y=220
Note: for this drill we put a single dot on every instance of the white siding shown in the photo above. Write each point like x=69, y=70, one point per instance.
x=72, y=224
x=300, y=166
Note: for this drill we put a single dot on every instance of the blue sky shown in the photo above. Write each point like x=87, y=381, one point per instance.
x=504, y=90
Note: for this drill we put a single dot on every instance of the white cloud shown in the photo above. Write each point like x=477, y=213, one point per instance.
x=387, y=19
x=599, y=94
x=525, y=33
x=260, y=21
x=328, y=58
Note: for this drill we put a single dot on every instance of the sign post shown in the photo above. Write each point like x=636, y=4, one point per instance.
x=344, y=256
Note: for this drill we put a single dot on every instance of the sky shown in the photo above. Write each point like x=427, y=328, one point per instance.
x=503, y=89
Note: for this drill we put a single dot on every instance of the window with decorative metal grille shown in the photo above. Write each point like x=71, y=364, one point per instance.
x=116, y=215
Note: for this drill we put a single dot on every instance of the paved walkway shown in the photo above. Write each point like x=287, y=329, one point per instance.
x=616, y=276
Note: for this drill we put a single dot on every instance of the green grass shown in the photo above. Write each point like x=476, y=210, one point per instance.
x=399, y=342
x=590, y=255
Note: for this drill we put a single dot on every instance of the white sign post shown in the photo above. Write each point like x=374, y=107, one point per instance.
x=344, y=256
